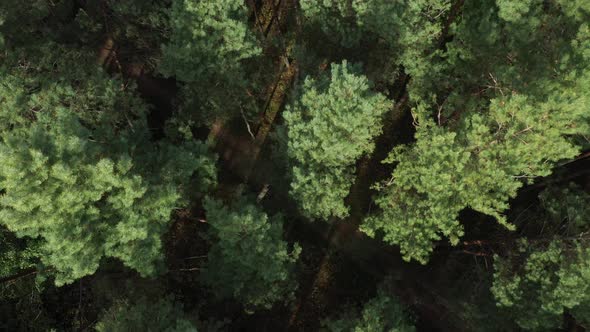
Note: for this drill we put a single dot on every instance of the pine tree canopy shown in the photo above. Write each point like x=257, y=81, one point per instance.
x=208, y=42
x=78, y=168
x=484, y=152
x=543, y=278
x=90, y=195
x=295, y=165
x=329, y=128
x=208, y=38
x=249, y=261
x=381, y=313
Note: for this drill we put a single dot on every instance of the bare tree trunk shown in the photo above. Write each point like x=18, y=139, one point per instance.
x=105, y=51
x=21, y=274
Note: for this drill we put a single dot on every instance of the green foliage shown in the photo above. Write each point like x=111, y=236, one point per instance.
x=422, y=198
x=500, y=47
x=550, y=280
x=512, y=11
x=464, y=282
x=19, y=22
x=498, y=90
x=79, y=171
x=47, y=77
x=383, y=313
x=208, y=42
x=21, y=307
x=399, y=33
x=396, y=22
x=543, y=278
x=478, y=166
x=249, y=260
x=137, y=28
x=163, y=315
x=88, y=199
x=328, y=129
x=485, y=144
x=16, y=255
x=567, y=204
x=208, y=39
x=337, y=19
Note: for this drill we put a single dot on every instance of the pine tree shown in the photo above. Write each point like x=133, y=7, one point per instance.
x=16, y=255
x=403, y=34
x=554, y=279
x=480, y=167
x=499, y=47
x=381, y=313
x=209, y=41
x=329, y=127
x=249, y=260
x=19, y=20
x=88, y=199
x=480, y=157
x=543, y=278
x=337, y=19
x=22, y=307
x=347, y=22
x=79, y=170
x=137, y=29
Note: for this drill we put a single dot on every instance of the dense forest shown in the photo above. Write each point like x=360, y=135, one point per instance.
x=295, y=165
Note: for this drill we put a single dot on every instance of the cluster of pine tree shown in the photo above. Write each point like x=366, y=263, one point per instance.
x=297, y=165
